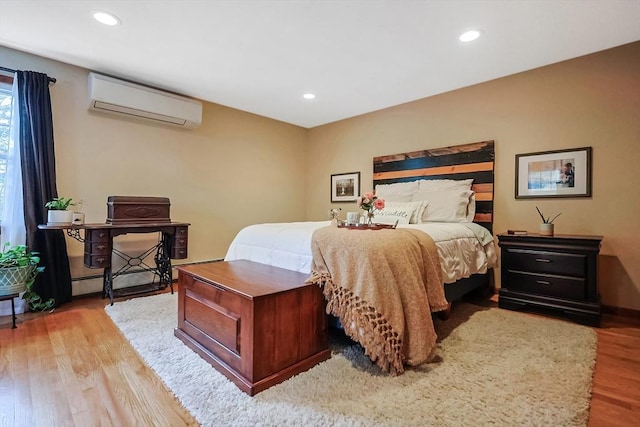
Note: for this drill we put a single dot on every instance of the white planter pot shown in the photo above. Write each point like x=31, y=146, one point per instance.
x=59, y=217
x=13, y=280
x=546, y=229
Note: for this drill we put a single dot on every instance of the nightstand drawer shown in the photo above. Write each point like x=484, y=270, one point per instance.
x=553, y=286
x=566, y=264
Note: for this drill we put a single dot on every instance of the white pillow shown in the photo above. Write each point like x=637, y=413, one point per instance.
x=444, y=184
x=446, y=206
x=398, y=192
x=471, y=209
x=416, y=209
x=390, y=215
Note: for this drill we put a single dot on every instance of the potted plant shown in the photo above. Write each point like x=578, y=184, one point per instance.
x=18, y=271
x=546, y=228
x=58, y=213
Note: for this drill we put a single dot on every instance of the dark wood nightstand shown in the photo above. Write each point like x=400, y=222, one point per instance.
x=558, y=273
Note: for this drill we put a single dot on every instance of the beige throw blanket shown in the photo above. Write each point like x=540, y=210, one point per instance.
x=383, y=286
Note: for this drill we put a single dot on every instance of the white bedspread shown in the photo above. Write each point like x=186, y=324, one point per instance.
x=464, y=248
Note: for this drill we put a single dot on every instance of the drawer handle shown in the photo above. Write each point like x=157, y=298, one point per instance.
x=543, y=282
x=100, y=260
x=542, y=260
x=215, y=285
x=101, y=247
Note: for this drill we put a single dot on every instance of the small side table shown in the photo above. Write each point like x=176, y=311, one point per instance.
x=557, y=273
x=13, y=307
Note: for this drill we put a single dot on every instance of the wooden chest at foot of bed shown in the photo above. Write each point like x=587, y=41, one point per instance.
x=256, y=324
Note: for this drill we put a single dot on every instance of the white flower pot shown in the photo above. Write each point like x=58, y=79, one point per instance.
x=59, y=217
x=546, y=229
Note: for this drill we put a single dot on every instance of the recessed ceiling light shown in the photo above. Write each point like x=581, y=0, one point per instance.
x=105, y=18
x=470, y=36
x=309, y=96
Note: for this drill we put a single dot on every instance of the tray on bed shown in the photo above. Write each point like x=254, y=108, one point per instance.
x=366, y=226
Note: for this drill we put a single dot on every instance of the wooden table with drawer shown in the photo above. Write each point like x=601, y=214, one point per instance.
x=99, y=251
x=558, y=273
x=256, y=324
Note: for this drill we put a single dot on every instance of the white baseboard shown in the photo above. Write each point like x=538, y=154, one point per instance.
x=93, y=284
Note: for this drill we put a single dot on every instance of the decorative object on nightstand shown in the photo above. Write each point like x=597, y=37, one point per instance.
x=517, y=232
x=546, y=228
x=558, y=273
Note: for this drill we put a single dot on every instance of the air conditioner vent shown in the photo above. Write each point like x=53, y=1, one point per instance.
x=113, y=96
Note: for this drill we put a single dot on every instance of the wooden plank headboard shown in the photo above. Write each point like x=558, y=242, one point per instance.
x=466, y=161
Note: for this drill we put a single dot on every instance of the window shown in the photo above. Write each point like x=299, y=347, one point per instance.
x=5, y=126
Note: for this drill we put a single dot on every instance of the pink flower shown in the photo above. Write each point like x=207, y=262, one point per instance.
x=369, y=196
x=379, y=203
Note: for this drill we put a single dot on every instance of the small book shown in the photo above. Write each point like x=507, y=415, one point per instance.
x=517, y=232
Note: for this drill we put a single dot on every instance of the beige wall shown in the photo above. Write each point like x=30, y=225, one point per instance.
x=589, y=101
x=236, y=169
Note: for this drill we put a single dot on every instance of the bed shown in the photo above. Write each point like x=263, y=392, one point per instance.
x=465, y=249
x=443, y=199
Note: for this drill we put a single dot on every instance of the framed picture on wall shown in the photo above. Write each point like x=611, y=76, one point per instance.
x=345, y=187
x=558, y=173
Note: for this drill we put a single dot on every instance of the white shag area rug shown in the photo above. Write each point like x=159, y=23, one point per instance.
x=494, y=367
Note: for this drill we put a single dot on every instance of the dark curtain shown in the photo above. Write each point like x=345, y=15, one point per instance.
x=39, y=182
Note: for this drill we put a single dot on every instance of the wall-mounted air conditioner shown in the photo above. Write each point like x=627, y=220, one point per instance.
x=114, y=96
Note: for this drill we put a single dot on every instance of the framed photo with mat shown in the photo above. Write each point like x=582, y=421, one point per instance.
x=558, y=173
x=345, y=187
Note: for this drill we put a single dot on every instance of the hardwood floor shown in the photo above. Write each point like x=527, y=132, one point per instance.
x=72, y=367
x=616, y=379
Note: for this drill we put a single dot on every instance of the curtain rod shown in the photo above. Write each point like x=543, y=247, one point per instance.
x=9, y=70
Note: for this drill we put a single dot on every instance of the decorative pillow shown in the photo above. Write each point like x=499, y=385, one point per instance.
x=398, y=192
x=416, y=209
x=444, y=184
x=393, y=212
x=446, y=206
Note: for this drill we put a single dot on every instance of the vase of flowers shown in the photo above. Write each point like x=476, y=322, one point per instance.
x=370, y=203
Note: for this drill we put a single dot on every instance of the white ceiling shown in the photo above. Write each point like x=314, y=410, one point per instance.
x=358, y=56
